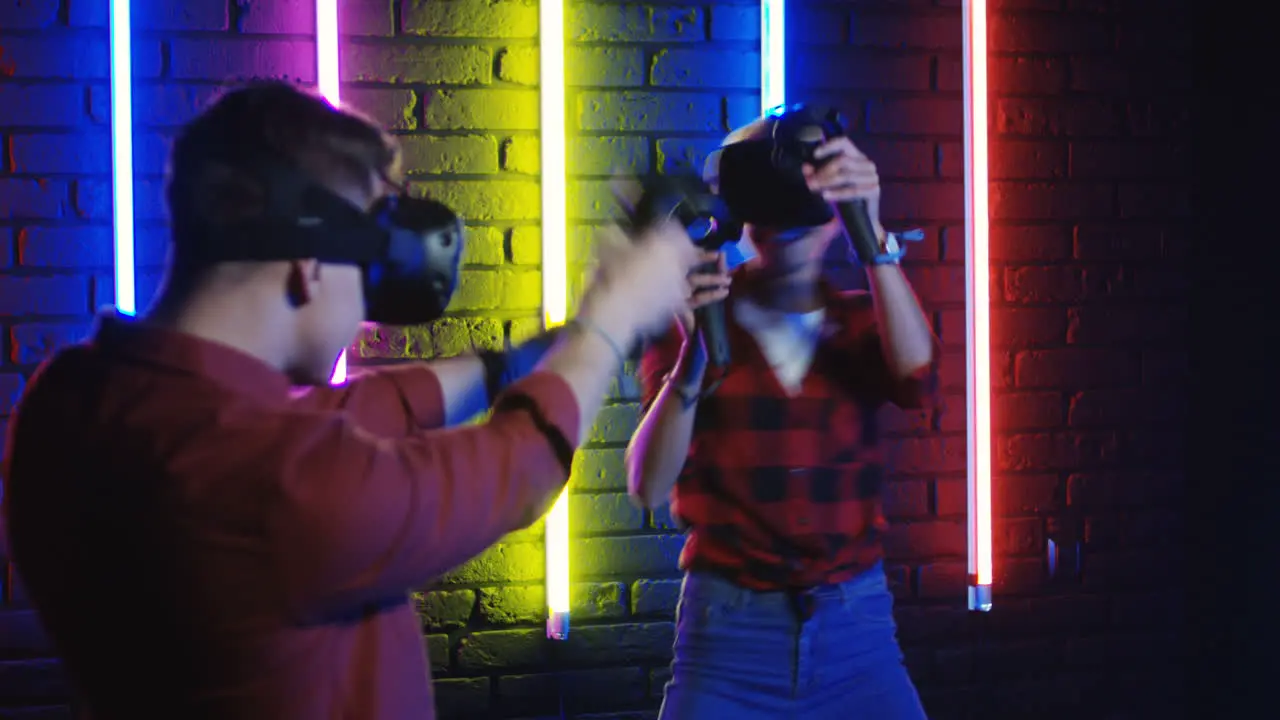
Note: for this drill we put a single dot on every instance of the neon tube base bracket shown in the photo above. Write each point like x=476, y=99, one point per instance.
x=980, y=598
x=558, y=626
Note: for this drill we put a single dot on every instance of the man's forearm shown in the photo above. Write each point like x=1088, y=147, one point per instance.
x=462, y=380
x=588, y=360
x=471, y=383
x=904, y=328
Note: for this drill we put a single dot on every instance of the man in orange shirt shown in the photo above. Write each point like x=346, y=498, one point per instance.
x=251, y=548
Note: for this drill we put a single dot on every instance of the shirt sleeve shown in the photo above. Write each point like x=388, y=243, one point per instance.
x=360, y=519
x=392, y=401
x=659, y=359
x=916, y=391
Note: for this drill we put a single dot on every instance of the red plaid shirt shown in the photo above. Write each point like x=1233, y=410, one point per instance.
x=784, y=491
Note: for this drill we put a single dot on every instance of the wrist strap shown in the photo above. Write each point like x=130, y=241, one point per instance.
x=690, y=396
x=687, y=398
x=590, y=326
x=894, y=251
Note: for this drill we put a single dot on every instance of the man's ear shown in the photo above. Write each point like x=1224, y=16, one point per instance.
x=301, y=281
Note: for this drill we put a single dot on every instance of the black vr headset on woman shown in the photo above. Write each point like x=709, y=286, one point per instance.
x=408, y=249
x=759, y=177
x=756, y=180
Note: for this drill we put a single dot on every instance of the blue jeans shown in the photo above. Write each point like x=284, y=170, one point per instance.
x=831, y=654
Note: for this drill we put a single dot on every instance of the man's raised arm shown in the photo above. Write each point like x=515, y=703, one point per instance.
x=377, y=516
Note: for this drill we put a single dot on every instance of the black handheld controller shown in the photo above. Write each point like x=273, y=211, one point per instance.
x=688, y=200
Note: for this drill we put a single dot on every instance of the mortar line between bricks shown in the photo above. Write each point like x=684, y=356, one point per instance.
x=51, y=81
x=70, y=33
x=226, y=36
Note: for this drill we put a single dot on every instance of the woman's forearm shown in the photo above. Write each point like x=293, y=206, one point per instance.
x=904, y=327
x=660, y=445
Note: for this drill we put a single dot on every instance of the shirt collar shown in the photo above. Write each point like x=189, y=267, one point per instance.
x=833, y=305
x=235, y=370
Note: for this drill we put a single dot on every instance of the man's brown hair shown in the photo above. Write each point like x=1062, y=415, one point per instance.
x=215, y=169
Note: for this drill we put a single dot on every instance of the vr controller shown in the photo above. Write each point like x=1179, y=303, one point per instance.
x=689, y=200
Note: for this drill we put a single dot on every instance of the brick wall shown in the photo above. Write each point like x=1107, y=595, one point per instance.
x=1089, y=197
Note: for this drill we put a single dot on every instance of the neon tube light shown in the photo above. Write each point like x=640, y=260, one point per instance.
x=773, y=54
x=327, y=49
x=327, y=80
x=555, y=301
x=122, y=157
x=977, y=280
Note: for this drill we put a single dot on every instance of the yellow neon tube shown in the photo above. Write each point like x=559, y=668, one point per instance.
x=555, y=302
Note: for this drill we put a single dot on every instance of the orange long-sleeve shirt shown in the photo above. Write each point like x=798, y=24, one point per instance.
x=202, y=541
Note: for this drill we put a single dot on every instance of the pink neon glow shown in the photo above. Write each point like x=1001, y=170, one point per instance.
x=327, y=75
x=978, y=283
x=327, y=48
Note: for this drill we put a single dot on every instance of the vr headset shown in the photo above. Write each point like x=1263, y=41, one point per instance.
x=757, y=180
x=408, y=249
x=762, y=182
x=760, y=179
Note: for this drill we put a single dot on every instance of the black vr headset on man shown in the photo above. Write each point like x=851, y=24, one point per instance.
x=408, y=249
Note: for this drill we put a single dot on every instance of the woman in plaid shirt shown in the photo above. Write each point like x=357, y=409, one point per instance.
x=777, y=475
